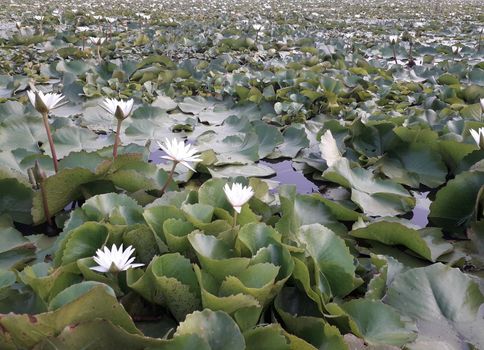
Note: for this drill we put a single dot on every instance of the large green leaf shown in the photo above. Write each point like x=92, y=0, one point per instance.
x=169, y=280
x=415, y=164
x=61, y=189
x=427, y=242
x=330, y=254
x=215, y=327
x=81, y=242
x=15, y=249
x=102, y=334
x=298, y=210
x=374, y=321
x=243, y=307
x=216, y=256
x=74, y=291
x=25, y=331
x=454, y=204
x=302, y=319
x=376, y=197
x=444, y=302
x=273, y=337
x=15, y=197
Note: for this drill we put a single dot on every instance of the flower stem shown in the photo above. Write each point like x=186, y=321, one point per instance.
x=394, y=54
x=479, y=42
x=117, y=139
x=170, y=177
x=45, y=204
x=235, y=219
x=98, y=49
x=45, y=117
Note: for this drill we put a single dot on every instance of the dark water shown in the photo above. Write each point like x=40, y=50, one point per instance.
x=286, y=175
x=155, y=156
x=421, y=210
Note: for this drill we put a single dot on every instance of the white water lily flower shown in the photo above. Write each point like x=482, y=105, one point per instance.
x=238, y=195
x=178, y=152
x=114, y=260
x=142, y=15
x=393, y=39
x=96, y=41
x=456, y=49
x=481, y=101
x=46, y=102
x=478, y=136
x=39, y=18
x=119, y=108
x=82, y=29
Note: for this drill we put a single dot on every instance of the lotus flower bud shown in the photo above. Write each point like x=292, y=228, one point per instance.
x=40, y=105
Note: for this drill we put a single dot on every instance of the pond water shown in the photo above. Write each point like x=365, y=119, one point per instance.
x=286, y=175
x=421, y=210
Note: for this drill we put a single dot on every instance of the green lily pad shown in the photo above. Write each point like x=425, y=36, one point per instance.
x=428, y=243
x=215, y=327
x=443, y=301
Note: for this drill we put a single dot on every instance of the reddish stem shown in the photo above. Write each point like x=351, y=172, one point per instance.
x=45, y=117
x=170, y=178
x=395, y=54
x=117, y=139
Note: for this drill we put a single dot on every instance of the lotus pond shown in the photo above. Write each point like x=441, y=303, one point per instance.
x=247, y=174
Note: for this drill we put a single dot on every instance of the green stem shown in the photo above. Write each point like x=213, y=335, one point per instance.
x=117, y=139
x=170, y=178
x=394, y=54
x=479, y=43
x=45, y=117
x=410, y=53
x=45, y=204
x=235, y=219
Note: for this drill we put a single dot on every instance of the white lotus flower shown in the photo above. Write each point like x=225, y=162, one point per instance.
x=393, y=39
x=82, y=29
x=39, y=18
x=238, y=195
x=478, y=136
x=178, y=152
x=44, y=103
x=96, y=41
x=142, y=15
x=119, y=108
x=114, y=260
x=456, y=49
x=111, y=19
x=481, y=101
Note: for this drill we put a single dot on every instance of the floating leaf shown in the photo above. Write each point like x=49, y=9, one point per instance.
x=428, y=243
x=444, y=302
x=215, y=327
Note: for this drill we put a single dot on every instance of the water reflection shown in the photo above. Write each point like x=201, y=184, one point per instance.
x=421, y=210
x=155, y=156
x=286, y=175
